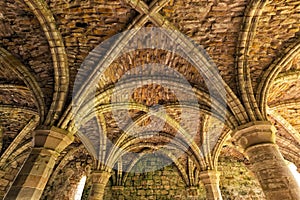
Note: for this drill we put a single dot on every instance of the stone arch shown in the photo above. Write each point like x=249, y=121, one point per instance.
x=12, y=63
x=13, y=146
x=217, y=106
x=198, y=56
x=272, y=72
x=251, y=19
x=59, y=57
x=131, y=144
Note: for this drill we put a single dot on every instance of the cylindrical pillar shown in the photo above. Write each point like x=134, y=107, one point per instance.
x=257, y=139
x=34, y=174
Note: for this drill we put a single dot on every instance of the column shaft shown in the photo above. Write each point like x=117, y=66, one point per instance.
x=275, y=177
x=257, y=139
x=34, y=174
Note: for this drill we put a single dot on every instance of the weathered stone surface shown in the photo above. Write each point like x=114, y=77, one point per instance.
x=237, y=181
x=279, y=17
x=11, y=124
x=25, y=38
x=258, y=141
x=85, y=24
x=218, y=27
x=34, y=174
x=210, y=179
x=71, y=167
x=165, y=183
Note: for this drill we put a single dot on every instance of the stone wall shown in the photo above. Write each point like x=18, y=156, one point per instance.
x=237, y=182
x=145, y=182
x=165, y=183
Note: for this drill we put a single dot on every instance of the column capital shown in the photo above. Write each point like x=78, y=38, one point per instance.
x=100, y=176
x=54, y=139
x=99, y=180
x=254, y=133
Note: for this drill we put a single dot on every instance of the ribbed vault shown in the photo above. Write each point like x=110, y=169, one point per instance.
x=228, y=63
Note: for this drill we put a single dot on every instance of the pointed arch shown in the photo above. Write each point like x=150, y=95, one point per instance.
x=92, y=105
x=12, y=63
x=284, y=123
x=250, y=21
x=195, y=55
x=32, y=124
x=272, y=72
x=177, y=164
x=59, y=58
x=64, y=162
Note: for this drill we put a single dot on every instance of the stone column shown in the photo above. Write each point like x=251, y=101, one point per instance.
x=99, y=181
x=192, y=193
x=117, y=192
x=210, y=179
x=34, y=174
x=257, y=139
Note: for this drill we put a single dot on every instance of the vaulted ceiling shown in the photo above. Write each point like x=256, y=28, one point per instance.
x=254, y=47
